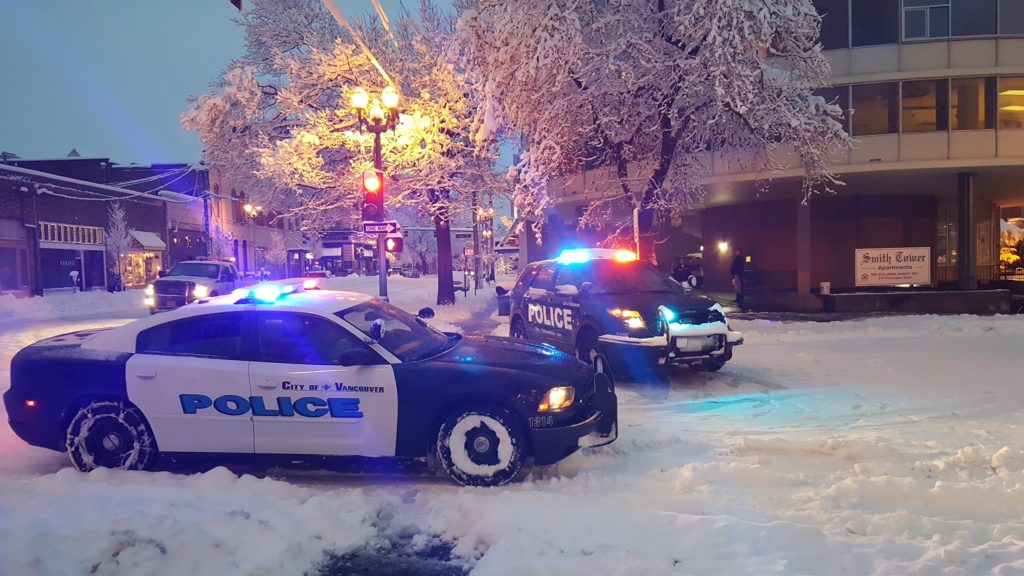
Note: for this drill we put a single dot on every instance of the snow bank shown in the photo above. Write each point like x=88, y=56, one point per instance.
x=874, y=447
x=67, y=305
x=116, y=523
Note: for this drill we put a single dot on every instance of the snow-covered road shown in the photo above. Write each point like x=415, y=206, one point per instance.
x=880, y=446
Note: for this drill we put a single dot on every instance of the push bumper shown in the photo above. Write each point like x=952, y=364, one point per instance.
x=599, y=428
x=682, y=345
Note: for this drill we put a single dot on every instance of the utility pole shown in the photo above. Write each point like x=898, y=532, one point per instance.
x=476, y=244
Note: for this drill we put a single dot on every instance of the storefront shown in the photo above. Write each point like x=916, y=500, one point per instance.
x=15, y=264
x=144, y=259
x=71, y=256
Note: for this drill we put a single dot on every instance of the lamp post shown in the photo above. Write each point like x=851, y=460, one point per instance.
x=485, y=215
x=377, y=116
x=252, y=211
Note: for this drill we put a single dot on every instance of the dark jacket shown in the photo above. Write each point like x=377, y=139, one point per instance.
x=737, y=266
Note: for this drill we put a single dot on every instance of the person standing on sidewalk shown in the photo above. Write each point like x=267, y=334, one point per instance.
x=737, y=274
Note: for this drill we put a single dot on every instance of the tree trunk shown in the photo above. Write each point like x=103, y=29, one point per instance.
x=445, y=284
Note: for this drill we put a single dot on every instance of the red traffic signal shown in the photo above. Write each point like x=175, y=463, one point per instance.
x=373, y=195
x=393, y=244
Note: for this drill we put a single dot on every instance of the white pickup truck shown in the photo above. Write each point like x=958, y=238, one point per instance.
x=191, y=280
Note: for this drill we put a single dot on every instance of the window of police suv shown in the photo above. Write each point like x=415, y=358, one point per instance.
x=404, y=335
x=611, y=277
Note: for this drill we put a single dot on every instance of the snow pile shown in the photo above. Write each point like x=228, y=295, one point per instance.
x=875, y=447
x=68, y=305
x=116, y=523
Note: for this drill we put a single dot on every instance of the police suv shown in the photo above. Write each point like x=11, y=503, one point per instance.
x=607, y=305
x=285, y=369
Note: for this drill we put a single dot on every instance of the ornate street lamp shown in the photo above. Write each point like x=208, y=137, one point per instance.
x=377, y=115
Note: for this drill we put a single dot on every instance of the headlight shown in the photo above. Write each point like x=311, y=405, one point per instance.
x=150, y=290
x=148, y=301
x=632, y=318
x=200, y=291
x=557, y=399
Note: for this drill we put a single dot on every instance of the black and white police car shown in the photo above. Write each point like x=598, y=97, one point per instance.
x=283, y=369
x=606, y=304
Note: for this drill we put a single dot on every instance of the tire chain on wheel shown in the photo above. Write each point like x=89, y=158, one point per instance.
x=128, y=417
x=506, y=420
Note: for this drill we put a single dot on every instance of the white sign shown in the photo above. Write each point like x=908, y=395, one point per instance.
x=892, y=266
x=385, y=227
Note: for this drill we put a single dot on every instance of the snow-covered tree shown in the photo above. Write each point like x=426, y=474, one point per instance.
x=219, y=240
x=285, y=105
x=117, y=239
x=277, y=253
x=647, y=88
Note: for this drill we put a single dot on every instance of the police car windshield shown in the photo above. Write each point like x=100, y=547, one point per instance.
x=610, y=277
x=194, y=269
x=404, y=335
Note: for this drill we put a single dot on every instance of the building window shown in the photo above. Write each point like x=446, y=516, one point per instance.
x=1011, y=16
x=875, y=22
x=835, y=23
x=972, y=103
x=925, y=106
x=876, y=109
x=973, y=17
x=925, y=19
x=1011, y=103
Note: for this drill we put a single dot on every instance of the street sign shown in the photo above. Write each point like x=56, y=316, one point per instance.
x=385, y=227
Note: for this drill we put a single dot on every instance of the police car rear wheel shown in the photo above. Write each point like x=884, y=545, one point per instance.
x=481, y=446
x=108, y=434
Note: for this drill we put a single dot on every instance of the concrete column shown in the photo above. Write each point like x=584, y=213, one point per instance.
x=803, y=248
x=967, y=240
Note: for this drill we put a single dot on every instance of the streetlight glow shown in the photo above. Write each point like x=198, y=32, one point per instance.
x=390, y=97
x=360, y=98
x=248, y=208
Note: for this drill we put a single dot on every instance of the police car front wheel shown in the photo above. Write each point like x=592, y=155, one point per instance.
x=110, y=434
x=481, y=446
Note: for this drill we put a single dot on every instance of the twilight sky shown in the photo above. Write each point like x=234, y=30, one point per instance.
x=110, y=77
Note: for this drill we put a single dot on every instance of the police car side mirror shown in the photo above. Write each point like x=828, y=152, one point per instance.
x=692, y=281
x=425, y=313
x=161, y=274
x=586, y=287
x=377, y=330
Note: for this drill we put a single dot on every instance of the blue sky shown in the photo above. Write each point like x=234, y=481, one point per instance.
x=110, y=77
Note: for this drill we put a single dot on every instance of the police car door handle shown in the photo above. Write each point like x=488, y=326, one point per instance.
x=146, y=374
x=267, y=384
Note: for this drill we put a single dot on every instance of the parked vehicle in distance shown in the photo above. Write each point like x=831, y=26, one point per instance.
x=191, y=280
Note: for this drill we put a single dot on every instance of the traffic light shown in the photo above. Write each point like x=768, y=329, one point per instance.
x=393, y=244
x=373, y=196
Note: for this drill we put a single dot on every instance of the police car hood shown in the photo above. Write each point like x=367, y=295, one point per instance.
x=500, y=352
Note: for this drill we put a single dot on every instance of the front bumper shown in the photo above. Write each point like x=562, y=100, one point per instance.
x=684, y=344
x=599, y=428
x=163, y=303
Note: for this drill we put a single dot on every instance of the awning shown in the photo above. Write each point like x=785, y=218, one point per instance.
x=148, y=240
